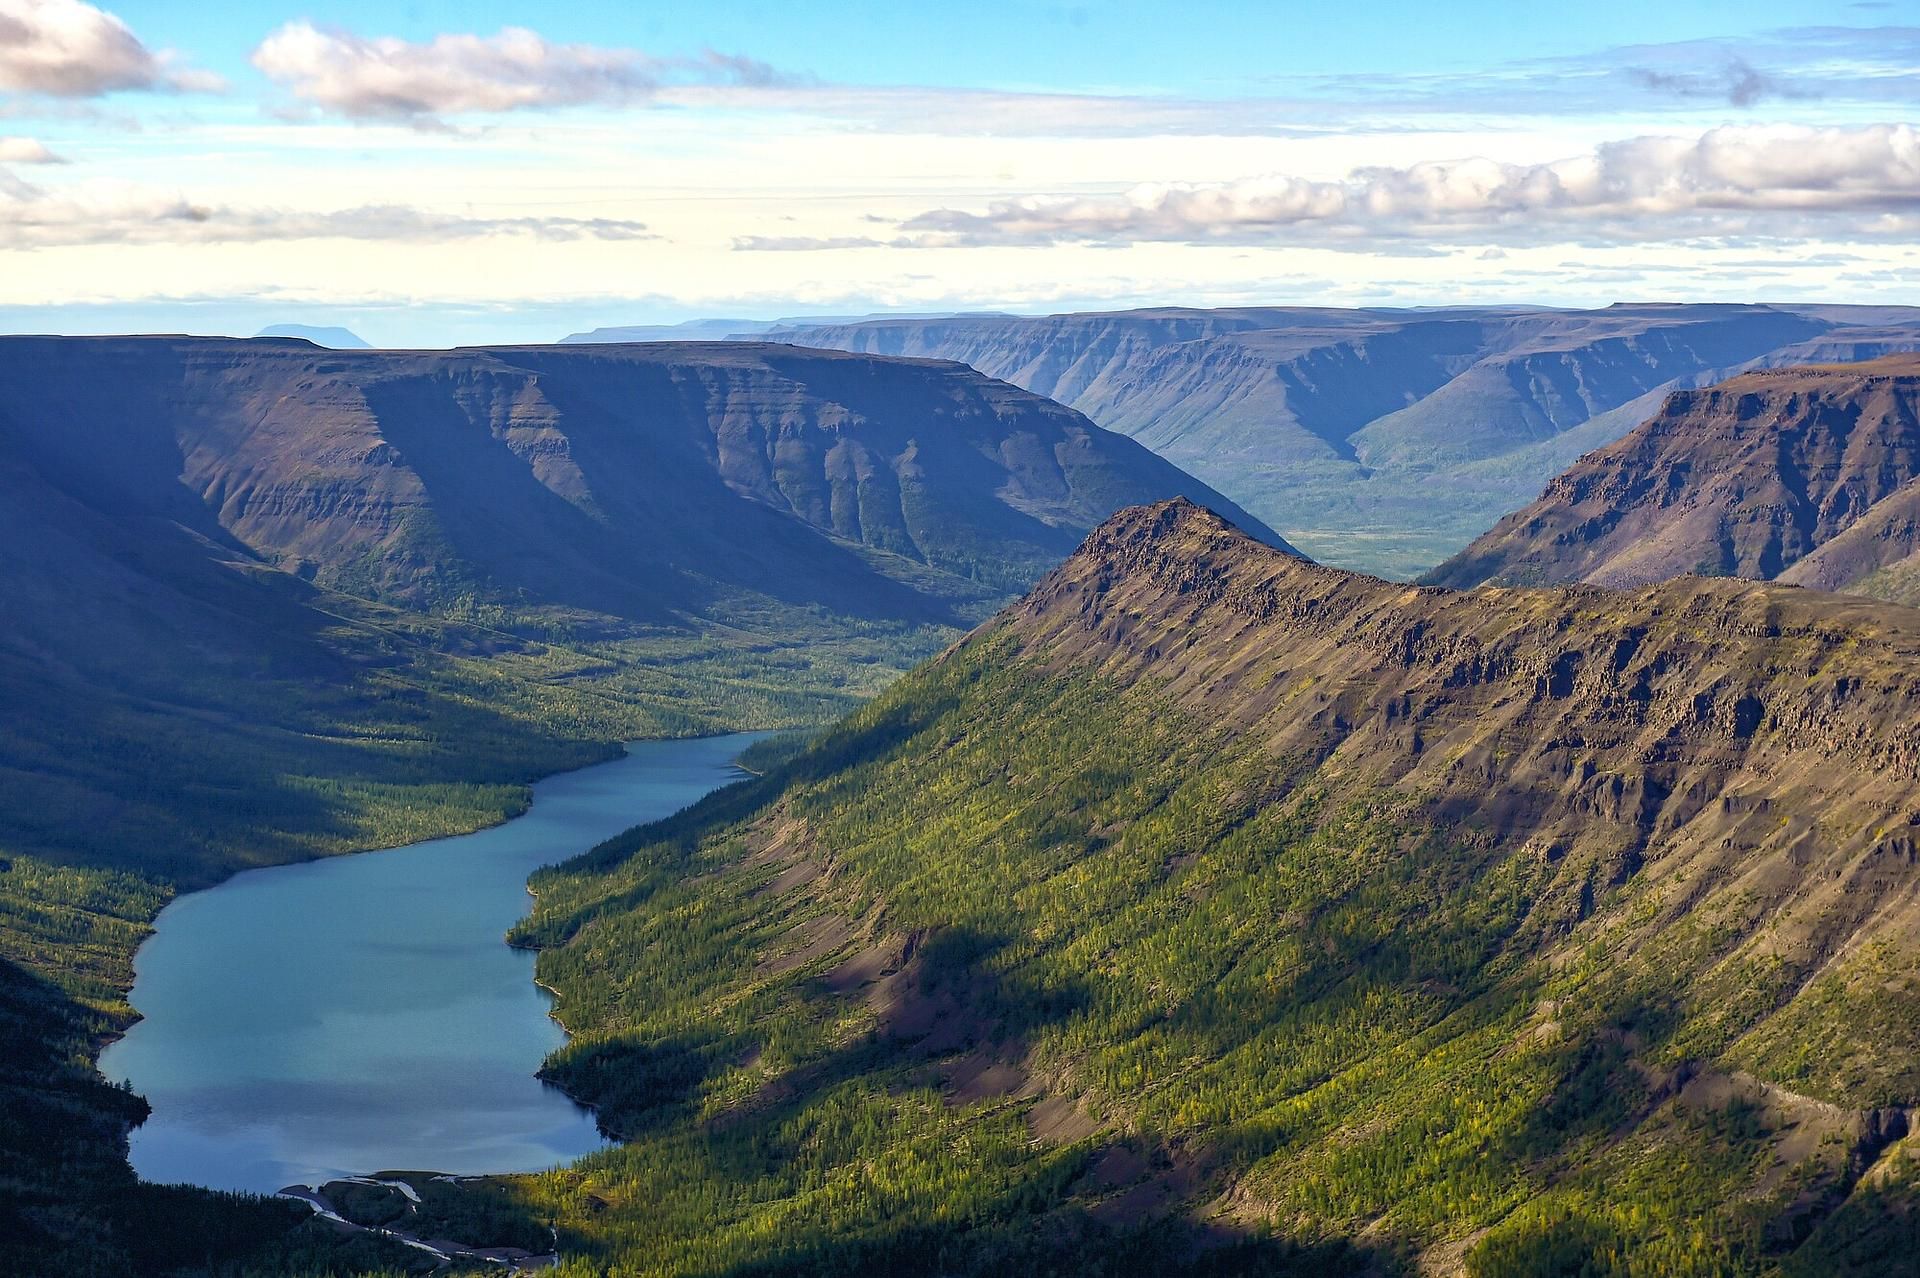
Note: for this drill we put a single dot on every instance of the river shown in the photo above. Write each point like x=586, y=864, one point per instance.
x=364, y=1013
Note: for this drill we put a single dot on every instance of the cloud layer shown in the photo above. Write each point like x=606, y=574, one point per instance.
x=383, y=78
x=34, y=220
x=1760, y=180
x=69, y=49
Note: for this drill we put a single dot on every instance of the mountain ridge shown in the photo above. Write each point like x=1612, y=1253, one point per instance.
x=1766, y=475
x=1343, y=922
x=387, y=472
x=1379, y=439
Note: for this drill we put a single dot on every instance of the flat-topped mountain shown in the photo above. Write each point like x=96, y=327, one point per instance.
x=331, y=336
x=1806, y=475
x=1210, y=906
x=1380, y=439
x=249, y=544
x=636, y=482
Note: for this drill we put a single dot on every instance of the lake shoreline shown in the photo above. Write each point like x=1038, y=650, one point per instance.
x=457, y=1013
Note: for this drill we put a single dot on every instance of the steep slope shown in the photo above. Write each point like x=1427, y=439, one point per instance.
x=641, y=483
x=1211, y=908
x=1548, y=376
x=1754, y=477
x=243, y=547
x=1878, y=555
x=1380, y=439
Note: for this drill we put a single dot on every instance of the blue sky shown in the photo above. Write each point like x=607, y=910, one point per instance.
x=432, y=172
x=1203, y=47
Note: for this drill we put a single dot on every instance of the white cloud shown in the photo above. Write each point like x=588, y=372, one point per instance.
x=26, y=151
x=812, y=243
x=69, y=49
x=385, y=78
x=1754, y=181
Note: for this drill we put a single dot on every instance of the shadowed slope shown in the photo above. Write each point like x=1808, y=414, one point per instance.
x=649, y=483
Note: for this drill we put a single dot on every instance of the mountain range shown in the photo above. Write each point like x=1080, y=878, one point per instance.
x=208, y=517
x=1382, y=440
x=1205, y=910
x=632, y=482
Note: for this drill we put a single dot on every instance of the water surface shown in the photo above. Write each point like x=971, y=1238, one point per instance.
x=364, y=1013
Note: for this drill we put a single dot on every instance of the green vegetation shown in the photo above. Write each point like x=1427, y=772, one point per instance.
x=775, y=751
x=349, y=630
x=425, y=728
x=1025, y=969
x=478, y=1213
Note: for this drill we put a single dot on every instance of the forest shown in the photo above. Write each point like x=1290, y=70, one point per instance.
x=1023, y=968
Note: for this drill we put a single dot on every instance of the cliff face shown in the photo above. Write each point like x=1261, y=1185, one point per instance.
x=1389, y=388
x=1770, y=474
x=1347, y=912
x=633, y=482
x=1378, y=439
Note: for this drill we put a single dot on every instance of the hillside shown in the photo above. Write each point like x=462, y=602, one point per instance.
x=1804, y=475
x=1212, y=909
x=1383, y=439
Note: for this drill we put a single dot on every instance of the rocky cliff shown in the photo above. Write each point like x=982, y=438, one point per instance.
x=1800, y=474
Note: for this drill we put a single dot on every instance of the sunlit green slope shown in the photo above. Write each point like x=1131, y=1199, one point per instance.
x=1213, y=908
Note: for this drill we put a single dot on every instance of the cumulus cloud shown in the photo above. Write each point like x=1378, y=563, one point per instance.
x=1757, y=181
x=385, y=78
x=69, y=49
x=37, y=220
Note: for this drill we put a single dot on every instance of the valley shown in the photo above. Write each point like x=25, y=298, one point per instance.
x=283, y=602
x=1205, y=905
x=911, y=641
x=1381, y=440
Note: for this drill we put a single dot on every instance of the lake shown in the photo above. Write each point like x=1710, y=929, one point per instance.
x=364, y=1013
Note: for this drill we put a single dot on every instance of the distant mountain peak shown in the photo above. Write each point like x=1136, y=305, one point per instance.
x=332, y=337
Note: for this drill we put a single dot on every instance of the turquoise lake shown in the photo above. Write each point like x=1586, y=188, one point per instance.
x=364, y=1013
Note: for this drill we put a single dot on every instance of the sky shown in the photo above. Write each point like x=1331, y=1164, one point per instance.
x=433, y=173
